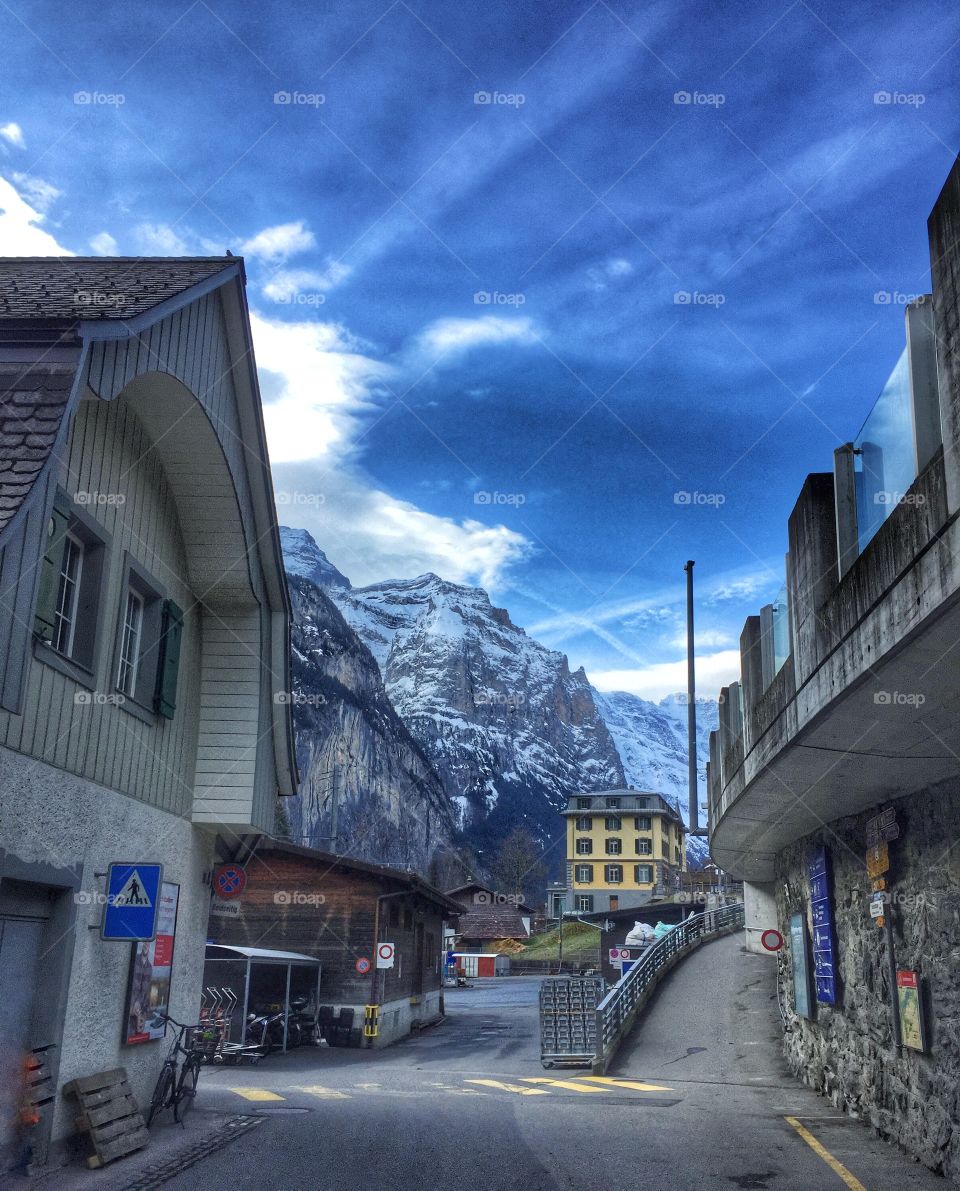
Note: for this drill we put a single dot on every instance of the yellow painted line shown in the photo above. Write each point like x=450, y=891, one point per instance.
x=256, y=1094
x=633, y=1084
x=822, y=1152
x=317, y=1090
x=509, y=1087
x=563, y=1083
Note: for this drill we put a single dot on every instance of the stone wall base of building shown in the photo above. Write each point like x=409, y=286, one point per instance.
x=848, y=1052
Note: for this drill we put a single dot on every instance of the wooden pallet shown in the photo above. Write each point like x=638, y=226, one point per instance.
x=109, y=1113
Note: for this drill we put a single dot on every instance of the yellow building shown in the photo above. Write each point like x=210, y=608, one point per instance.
x=623, y=847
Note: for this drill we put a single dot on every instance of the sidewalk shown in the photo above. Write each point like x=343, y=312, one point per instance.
x=713, y=1032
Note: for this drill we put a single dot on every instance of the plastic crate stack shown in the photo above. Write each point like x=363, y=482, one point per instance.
x=568, y=1024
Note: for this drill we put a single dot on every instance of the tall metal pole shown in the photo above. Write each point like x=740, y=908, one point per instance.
x=692, y=793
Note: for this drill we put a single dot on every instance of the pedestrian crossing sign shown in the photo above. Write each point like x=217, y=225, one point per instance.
x=132, y=899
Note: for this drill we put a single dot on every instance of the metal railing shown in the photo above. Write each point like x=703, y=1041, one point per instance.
x=618, y=1010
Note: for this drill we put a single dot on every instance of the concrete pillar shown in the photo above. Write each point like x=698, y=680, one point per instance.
x=759, y=915
x=767, y=651
x=751, y=673
x=943, y=230
x=715, y=783
x=844, y=484
x=724, y=734
x=812, y=532
x=924, y=384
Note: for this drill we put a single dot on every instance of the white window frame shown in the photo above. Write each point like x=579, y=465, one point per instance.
x=65, y=647
x=579, y=871
x=131, y=636
x=584, y=847
x=614, y=846
x=611, y=880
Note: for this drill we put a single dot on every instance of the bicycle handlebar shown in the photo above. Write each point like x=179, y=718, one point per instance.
x=179, y=1024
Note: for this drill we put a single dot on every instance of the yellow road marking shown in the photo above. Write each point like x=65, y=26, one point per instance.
x=256, y=1094
x=835, y=1165
x=317, y=1090
x=562, y=1083
x=509, y=1087
x=634, y=1084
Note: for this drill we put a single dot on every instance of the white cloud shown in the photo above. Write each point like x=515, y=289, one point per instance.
x=371, y=535
x=318, y=382
x=452, y=337
x=13, y=135
x=103, y=244
x=37, y=191
x=610, y=270
x=714, y=670
x=159, y=239
x=705, y=639
x=20, y=230
x=279, y=243
x=287, y=284
x=743, y=588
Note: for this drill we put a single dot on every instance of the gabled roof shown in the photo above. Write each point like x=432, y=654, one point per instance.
x=493, y=898
x=492, y=922
x=68, y=288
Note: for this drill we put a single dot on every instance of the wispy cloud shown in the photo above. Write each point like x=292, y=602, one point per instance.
x=714, y=670
x=277, y=244
x=13, y=135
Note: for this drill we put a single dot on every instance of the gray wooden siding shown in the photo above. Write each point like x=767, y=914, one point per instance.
x=215, y=759
x=107, y=454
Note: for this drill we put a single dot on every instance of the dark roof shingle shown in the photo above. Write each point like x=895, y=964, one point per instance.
x=33, y=400
x=77, y=287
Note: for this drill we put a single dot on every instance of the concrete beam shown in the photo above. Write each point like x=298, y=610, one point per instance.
x=812, y=531
x=943, y=231
x=924, y=383
x=752, y=670
x=845, y=503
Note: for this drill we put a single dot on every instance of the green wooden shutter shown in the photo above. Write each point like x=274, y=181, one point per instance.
x=171, y=631
x=49, y=584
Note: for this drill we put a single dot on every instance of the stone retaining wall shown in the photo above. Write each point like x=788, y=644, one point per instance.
x=848, y=1053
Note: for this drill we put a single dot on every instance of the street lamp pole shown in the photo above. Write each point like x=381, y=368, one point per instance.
x=693, y=809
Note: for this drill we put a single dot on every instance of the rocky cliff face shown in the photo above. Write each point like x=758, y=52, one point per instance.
x=367, y=787
x=507, y=726
x=443, y=723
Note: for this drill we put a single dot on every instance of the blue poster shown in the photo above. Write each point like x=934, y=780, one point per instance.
x=821, y=906
x=133, y=898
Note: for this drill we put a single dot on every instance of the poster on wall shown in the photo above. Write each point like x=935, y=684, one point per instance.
x=801, y=965
x=912, y=1032
x=150, y=970
x=821, y=908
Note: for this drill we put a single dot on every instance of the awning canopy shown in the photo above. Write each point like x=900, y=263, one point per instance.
x=259, y=955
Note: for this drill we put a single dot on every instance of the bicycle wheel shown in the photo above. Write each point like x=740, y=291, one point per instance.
x=162, y=1093
x=187, y=1087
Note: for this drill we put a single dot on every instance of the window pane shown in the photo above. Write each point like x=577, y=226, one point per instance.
x=130, y=644
x=68, y=594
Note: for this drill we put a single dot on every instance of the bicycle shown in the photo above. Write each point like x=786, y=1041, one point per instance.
x=176, y=1085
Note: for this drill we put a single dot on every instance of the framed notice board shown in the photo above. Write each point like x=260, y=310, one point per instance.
x=800, y=960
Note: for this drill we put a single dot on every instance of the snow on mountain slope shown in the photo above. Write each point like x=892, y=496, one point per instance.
x=510, y=729
x=302, y=556
x=652, y=741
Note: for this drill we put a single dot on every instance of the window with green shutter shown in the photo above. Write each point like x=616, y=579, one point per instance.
x=168, y=669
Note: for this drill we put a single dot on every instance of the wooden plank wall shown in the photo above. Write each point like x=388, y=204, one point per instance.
x=339, y=931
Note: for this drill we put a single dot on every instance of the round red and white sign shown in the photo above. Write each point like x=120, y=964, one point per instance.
x=771, y=940
x=363, y=965
x=385, y=951
x=624, y=952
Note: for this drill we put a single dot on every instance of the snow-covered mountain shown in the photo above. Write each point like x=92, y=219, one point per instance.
x=511, y=731
x=497, y=721
x=303, y=557
x=652, y=741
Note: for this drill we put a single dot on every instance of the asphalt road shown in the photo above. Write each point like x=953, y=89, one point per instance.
x=697, y=1099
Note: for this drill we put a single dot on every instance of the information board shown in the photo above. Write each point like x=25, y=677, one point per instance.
x=801, y=965
x=821, y=909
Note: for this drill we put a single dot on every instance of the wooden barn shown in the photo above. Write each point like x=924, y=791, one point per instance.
x=345, y=912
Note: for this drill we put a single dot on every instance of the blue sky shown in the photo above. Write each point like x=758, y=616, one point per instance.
x=521, y=276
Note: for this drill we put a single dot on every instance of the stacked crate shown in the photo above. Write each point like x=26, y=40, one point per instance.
x=568, y=1016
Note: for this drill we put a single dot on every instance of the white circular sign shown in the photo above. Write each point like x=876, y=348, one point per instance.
x=385, y=951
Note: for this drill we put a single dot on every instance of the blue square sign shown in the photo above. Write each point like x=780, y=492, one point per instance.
x=133, y=896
